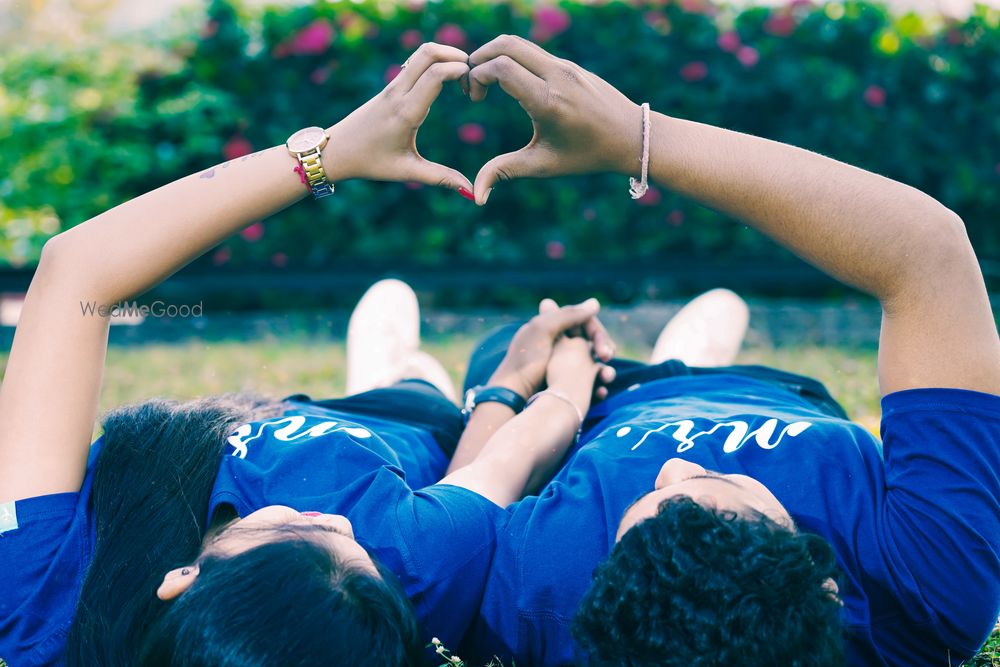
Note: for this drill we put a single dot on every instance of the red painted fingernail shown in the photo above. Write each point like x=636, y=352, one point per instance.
x=468, y=195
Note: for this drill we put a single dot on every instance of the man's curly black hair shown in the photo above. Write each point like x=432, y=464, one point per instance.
x=698, y=587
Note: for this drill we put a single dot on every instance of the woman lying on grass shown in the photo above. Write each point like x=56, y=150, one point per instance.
x=219, y=532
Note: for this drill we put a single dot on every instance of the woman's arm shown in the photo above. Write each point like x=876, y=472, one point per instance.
x=49, y=396
x=525, y=450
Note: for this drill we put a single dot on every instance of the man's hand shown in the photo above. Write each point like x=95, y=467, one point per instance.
x=523, y=368
x=582, y=123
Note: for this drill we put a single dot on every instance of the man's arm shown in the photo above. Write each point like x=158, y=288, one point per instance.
x=886, y=238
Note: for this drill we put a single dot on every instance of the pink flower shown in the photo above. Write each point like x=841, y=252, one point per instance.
x=748, y=56
x=237, y=146
x=471, y=133
x=209, y=29
x=319, y=75
x=314, y=38
x=451, y=35
x=411, y=39
x=279, y=259
x=729, y=41
x=221, y=256
x=253, y=233
x=695, y=70
x=693, y=6
x=651, y=198
x=780, y=25
x=874, y=96
x=555, y=250
x=549, y=22
x=675, y=218
x=391, y=72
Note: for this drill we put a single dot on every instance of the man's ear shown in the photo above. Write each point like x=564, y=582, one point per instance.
x=176, y=582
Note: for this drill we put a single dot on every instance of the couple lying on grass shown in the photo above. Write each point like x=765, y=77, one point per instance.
x=632, y=514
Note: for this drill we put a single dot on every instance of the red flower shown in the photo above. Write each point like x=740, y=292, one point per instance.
x=729, y=41
x=471, y=133
x=319, y=75
x=279, y=259
x=874, y=96
x=221, y=256
x=549, y=22
x=391, y=72
x=253, y=233
x=555, y=250
x=452, y=35
x=237, y=146
x=675, y=218
x=209, y=29
x=411, y=39
x=651, y=198
x=780, y=25
x=748, y=56
x=695, y=70
x=314, y=38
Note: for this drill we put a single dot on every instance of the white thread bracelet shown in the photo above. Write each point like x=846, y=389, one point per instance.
x=639, y=187
x=561, y=396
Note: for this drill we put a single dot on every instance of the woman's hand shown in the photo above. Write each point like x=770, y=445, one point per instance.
x=524, y=367
x=378, y=141
x=572, y=371
x=582, y=123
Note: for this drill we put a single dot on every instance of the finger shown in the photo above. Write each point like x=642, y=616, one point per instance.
x=568, y=317
x=429, y=85
x=529, y=162
x=516, y=80
x=604, y=345
x=431, y=173
x=425, y=56
x=601, y=393
x=607, y=374
x=529, y=55
x=547, y=306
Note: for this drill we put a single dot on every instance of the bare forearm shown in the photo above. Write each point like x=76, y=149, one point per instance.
x=486, y=420
x=521, y=454
x=858, y=226
x=135, y=245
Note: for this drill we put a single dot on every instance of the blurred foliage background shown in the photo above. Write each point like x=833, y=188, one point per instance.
x=913, y=97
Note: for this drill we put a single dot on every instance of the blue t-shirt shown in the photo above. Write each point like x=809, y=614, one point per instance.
x=916, y=530
x=438, y=540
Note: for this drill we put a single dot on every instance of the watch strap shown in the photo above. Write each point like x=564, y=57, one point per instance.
x=485, y=394
x=315, y=176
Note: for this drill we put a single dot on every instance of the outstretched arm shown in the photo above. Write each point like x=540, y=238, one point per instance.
x=48, y=401
x=884, y=237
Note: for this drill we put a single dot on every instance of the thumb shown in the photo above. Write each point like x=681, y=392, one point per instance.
x=567, y=317
x=432, y=173
x=529, y=162
x=547, y=306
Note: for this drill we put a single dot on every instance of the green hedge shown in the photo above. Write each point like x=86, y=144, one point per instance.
x=911, y=97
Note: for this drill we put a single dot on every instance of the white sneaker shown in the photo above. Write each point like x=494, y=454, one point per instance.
x=383, y=334
x=708, y=331
x=423, y=366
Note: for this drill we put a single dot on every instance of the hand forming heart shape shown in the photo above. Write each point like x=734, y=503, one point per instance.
x=581, y=123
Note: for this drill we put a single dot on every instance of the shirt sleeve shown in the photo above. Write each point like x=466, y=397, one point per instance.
x=941, y=515
x=43, y=547
x=451, y=543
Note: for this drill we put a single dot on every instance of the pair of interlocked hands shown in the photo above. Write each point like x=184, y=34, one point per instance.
x=582, y=124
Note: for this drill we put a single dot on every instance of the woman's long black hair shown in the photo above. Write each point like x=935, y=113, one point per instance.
x=151, y=490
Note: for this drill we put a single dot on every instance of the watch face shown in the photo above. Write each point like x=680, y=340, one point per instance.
x=306, y=139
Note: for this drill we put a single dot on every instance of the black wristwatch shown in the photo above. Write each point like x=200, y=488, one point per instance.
x=485, y=394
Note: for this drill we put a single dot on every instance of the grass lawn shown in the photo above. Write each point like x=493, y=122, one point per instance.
x=316, y=368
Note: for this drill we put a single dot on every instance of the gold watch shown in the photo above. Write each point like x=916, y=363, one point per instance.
x=306, y=146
